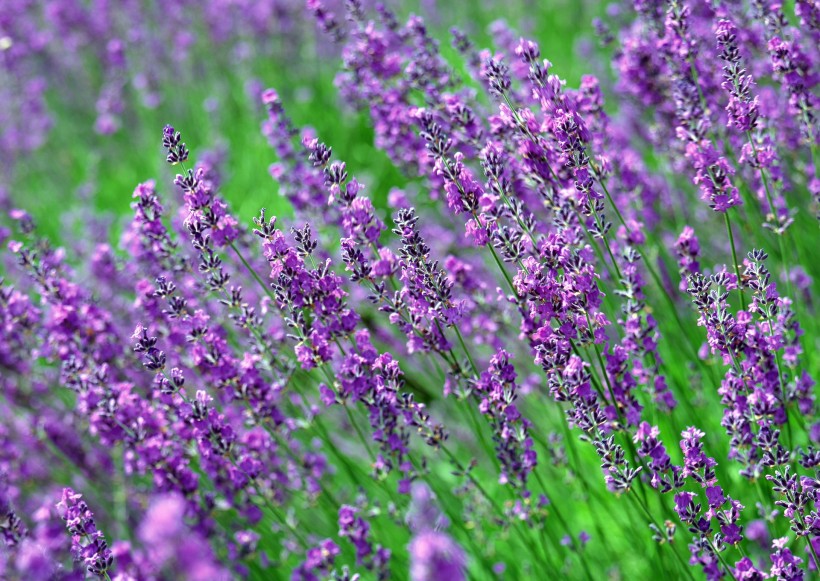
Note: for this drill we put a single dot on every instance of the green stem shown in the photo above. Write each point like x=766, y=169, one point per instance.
x=121, y=494
x=673, y=549
x=787, y=270
x=565, y=526
x=455, y=518
x=721, y=559
x=503, y=270
x=734, y=259
x=524, y=538
x=673, y=308
x=470, y=412
x=466, y=350
x=359, y=433
x=252, y=272
x=813, y=552
x=349, y=467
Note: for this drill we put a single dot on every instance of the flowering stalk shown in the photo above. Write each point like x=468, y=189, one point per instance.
x=425, y=282
x=87, y=543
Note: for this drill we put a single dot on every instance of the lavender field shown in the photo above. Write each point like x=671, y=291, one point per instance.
x=338, y=290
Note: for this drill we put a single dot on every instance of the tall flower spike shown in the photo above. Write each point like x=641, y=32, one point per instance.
x=87, y=543
x=316, y=308
x=300, y=183
x=207, y=212
x=792, y=67
x=515, y=449
x=713, y=171
x=721, y=508
x=374, y=558
x=11, y=526
x=743, y=109
x=687, y=248
x=745, y=117
x=427, y=284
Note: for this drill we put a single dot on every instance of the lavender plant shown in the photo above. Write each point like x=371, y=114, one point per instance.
x=576, y=338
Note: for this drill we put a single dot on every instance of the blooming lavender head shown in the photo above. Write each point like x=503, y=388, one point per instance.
x=88, y=544
x=743, y=109
x=687, y=248
x=355, y=528
x=11, y=525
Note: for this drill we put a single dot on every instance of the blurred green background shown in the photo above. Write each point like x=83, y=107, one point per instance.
x=212, y=107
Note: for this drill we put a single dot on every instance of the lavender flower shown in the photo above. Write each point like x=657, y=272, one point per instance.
x=428, y=288
x=87, y=543
x=434, y=555
x=172, y=546
x=11, y=525
x=687, y=248
x=241, y=406
x=743, y=110
x=357, y=530
x=319, y=559
x=791, y=67
x=785, y=565
x=515, y=448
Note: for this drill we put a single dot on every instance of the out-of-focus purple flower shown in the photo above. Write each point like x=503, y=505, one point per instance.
x=172, y=546
x=355, y=528
x=687, y=247
x=745, y=570
x=318, y=561
x=434, y=556
x=793, y=68
x=758, y=531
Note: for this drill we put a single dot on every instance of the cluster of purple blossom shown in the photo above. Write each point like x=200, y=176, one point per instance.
x=427, y=392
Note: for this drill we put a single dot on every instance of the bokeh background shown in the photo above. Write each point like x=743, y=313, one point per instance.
x=86, y=88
